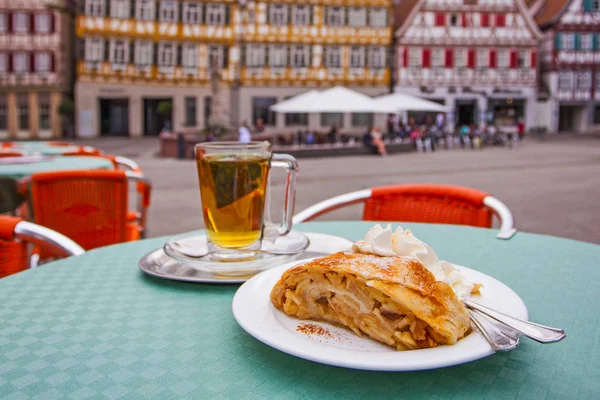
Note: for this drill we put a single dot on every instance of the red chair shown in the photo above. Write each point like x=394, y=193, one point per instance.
x=61, y=144
x=88, y=206
x=16, y=234
x=443, y=204
x=84, y=151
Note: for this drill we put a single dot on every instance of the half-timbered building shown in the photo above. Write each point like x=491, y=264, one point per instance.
x=35, y=68
x=137, y=54
x=569, y=63
x=478, y=57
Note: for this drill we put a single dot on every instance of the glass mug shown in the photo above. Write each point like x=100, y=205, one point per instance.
x=233, y=181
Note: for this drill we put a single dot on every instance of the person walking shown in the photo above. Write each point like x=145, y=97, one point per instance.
x=244, y=133
x=463, y=132
x=377, y=140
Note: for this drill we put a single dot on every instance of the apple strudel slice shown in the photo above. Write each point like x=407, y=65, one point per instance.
x=394, y=300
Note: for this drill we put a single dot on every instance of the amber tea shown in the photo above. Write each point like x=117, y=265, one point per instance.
x=233, y=190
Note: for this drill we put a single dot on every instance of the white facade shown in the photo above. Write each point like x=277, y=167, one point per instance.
x=479, y=58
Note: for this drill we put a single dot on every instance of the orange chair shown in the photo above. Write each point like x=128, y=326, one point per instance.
x=61, y=144
x=84, y=151
x=128, y=165
x=5, y=145
x=87, y=206
x=5, y=154
x=443, y=204
x=16, y=234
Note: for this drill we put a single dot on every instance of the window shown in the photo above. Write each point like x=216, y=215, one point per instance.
x=453, y=20
x=42, y=62
x=378, y=17
x=260, y=110
x=190, y=111
x=44, y=111
x=23, y=112
x=216, y=52
x=567, y=41
x=145, y=10
x=119, y=9
x=119, y=52
x=168, y=11
x=437, y=58
x=300, y=56
x=357, y=17
x=586, y=41
x=595, y=5
x=278, y=14
x=357, y=57
x=362, y=119
x=335, y=16
x=21, y=62
x=414, y=57
x=94, y=49
x=524, y=60
x=20, y=22
x=43, y=23
x=143, y=54
x=3, y=22
x=277, y=56
x=255, y=55
x=190, y=56
x=330, y=119
x=3, y=63
x=301, y=15
x=296, y=119
x=503, y=58
x=483, y=58
x=3, y=119
x=584, y=81
x=192, y=13
x=166, y=54
x=215, y=14
x=333, y=57
x=376, y=57
x=565, y=81
x=207, y=110
x=94, y=8
x=460, y=58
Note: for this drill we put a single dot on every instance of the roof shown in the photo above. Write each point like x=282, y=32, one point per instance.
x=550, y=12
x=402, y=11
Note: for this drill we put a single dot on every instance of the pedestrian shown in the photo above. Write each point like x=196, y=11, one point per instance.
x=521, y=129
x=463, y=132
x=377, y=140
x=244, y=133
x=259, y=127
x=332, y=134
x=390, y=126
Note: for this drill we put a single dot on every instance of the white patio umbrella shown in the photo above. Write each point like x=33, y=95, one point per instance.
x=405, y=102
x=293, y=103
x=336, y=100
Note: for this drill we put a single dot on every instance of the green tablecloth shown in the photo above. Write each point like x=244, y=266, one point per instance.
x=41, y=147
x=95, y=326
x=18, y=170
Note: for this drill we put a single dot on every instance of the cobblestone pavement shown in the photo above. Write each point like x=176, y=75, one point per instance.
x=552, y=187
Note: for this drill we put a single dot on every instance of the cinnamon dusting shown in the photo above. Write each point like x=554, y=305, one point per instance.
x=313, y=330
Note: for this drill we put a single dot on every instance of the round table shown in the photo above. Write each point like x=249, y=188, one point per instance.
x=20, y=170
x=96, y=326
x=41, y=147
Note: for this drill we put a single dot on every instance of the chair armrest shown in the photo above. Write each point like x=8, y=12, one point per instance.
x=507, y=221
x=332, y=204
x=48, y=239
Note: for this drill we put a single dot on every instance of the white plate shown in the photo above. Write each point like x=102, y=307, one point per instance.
x=253, y=310
x=161, y=265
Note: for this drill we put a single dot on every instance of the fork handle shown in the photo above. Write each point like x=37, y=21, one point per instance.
x=537, y=332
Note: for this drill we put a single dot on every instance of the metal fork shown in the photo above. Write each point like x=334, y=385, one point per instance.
x=502, y=331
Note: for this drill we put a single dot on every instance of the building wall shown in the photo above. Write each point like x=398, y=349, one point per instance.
x=35, y=46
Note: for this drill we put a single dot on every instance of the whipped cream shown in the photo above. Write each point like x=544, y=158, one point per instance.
x=382, y=242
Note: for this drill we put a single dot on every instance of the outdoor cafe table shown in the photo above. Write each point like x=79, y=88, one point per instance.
x=21, y=170
x=41, y=147
x=96, y=326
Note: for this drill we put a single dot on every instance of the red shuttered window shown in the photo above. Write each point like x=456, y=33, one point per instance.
x=465, y=20
x=492, y=58
x=426, y=58
x=449, y=59
x=533, y=59
x=405, y=56
x=440, y=19
x=471, y=58
x=514, y=59
x=485, y=19
x=500, y=20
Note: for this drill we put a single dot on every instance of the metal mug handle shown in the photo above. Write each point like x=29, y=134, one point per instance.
x=290, y=164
